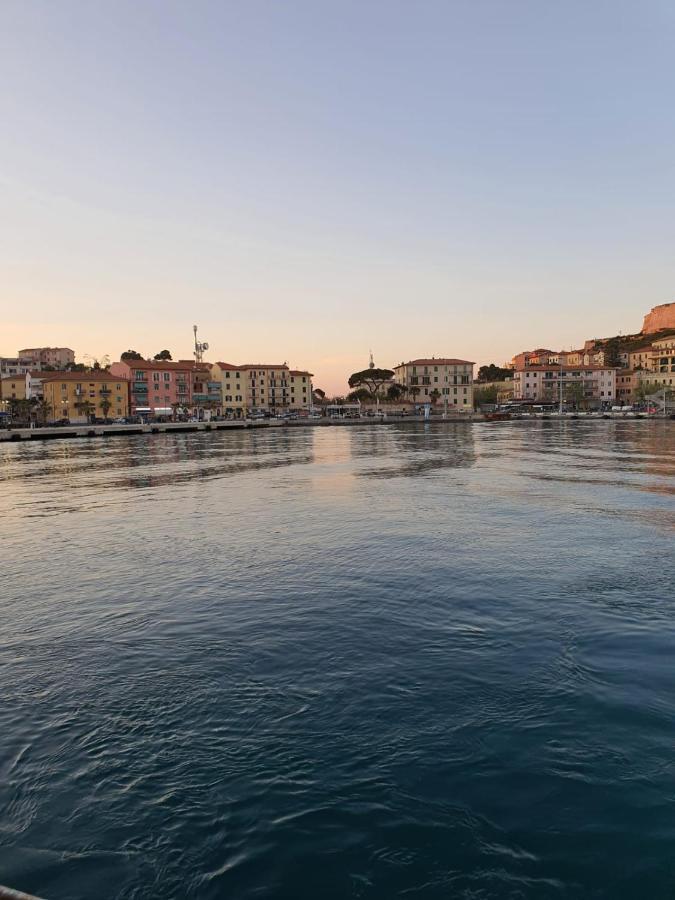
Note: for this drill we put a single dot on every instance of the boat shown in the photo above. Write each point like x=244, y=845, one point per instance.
x=497, y=416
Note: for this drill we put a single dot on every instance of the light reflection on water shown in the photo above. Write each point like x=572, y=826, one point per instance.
x=348, y=662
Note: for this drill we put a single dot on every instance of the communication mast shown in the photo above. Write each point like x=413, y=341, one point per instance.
x=200, y=347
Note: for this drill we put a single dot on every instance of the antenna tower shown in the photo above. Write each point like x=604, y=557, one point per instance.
x=200, y=347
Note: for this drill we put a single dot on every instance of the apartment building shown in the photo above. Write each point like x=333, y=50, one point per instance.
x=15, y=365
x=590, y=385
x=233, y=383
x=206, y=390
x=449, y=381
x=15, y=387
x=58, y=357
x=81, y=396
x=641, y=358
x=262, y=387
x=663, y=355
x=157, y=387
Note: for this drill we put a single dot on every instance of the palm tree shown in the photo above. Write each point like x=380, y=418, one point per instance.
x=434, y=396
x=106, y=406
x=413, y=390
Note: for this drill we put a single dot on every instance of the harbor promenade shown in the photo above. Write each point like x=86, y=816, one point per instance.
x=89, y=431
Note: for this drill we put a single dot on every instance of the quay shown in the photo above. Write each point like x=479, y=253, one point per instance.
x=90, y=431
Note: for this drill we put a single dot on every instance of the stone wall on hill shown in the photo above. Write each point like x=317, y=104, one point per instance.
x=662, y=316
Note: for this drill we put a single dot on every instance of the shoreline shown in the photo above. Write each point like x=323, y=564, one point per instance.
x=89, y=431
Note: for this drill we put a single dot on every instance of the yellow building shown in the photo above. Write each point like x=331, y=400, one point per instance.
x=233, y=383
x=14, y=387
x=642, y=358
x=262, y=388
x=438, y=381
x=83, y=396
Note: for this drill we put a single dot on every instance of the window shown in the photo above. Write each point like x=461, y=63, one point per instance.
x=167, y=376
x=155, y=376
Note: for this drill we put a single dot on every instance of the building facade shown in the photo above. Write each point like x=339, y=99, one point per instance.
x=590, y=385
x=15, y=387
x=641, y=358
x=15, y=365
x=446, y=381
x=58, y=357
x=157, y=387
x=262, y=388
x=81, y=396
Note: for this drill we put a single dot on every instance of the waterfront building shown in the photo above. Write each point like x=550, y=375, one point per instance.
x=157, y=387
x=207, y=394
x=662, y=369
x=449, y=381
x=15, y=387
x=663, y=355
x=58, y=357
x=263, y=388
x=232, y=380
x=627, y=381
x=79, y=396
x=35, y=380
x=590, y=385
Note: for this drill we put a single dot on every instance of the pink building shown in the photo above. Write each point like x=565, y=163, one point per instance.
x=156, y=387
x=579, y=385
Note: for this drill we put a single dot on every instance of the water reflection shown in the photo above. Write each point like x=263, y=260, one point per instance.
x=408, y=451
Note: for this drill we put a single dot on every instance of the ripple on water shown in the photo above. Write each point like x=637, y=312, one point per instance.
x=406, y=661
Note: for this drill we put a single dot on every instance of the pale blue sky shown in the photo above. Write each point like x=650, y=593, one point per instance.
x=307, y=180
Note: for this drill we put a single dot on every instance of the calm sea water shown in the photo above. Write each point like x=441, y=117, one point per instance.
x=420, y=661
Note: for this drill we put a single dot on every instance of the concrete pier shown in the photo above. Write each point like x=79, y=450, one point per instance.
x=89, y=431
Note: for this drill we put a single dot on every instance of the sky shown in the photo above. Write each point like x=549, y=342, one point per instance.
x=310, y=180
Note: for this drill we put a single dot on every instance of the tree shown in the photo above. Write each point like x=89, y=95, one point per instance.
x=362, y=394
x=434, y=396
x=163, y=354
x=131, y=354
x=484, y=396
x=574, y=394
x=493, y=373
x=42, y=410
x=19, y=411
x=613, y=352
x=413, y=390
x=84, y=407
x=395, y=392
x=318, y=395
x=371, y=379
x=106, y=406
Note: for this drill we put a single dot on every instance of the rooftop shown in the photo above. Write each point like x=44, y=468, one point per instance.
x=438, y=361
x=554, y=367
x=162, y=364
x=93, y=375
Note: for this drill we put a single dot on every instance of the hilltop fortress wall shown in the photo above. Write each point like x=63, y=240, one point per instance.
x=662, y=316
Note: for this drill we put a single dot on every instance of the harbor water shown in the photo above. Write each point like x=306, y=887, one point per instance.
x=420, y=661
